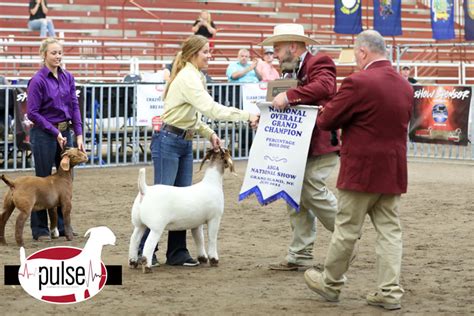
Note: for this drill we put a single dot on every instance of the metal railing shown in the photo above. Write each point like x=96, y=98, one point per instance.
x=111, y=134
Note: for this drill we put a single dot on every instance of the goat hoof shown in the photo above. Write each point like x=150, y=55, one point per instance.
x=132, y=264
x=69, y=237
x=202, y=259
x=2, y=241
x=142, y=261
x=146, y=269
x=214, y=262
x=54, y=233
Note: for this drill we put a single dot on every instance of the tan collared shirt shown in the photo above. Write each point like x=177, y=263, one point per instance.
x=187, y=100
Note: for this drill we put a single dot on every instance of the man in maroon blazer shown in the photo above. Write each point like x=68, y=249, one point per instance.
x=317, y=84
x=373, y=108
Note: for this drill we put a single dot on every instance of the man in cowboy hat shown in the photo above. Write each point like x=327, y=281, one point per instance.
x=316, y=85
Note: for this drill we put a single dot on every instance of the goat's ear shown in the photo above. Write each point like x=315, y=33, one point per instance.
x=65, y=163
x=64, y=151
x=228, y=161
x=207, y=157
x=231, y=167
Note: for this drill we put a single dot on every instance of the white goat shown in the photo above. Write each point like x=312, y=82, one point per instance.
x=161, y=207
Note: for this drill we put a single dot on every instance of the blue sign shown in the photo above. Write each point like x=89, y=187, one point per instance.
x=387, y=17
x=442, y=19
x=348, y=16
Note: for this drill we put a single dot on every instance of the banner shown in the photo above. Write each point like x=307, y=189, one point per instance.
x=468, y=19
x=149, y=102
x=22, y=123
x=348, y=16
x=387, y=17
x=277, y=159
x=441, y=115
x=442, y=19
x=252, y=94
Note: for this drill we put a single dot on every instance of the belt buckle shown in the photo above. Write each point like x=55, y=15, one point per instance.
x=189, y=134
x=63, y=126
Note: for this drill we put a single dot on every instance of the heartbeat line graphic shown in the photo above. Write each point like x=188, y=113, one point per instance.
x=26, y=272
x=91, y=274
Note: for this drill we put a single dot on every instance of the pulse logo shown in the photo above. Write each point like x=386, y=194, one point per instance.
x=65, y=275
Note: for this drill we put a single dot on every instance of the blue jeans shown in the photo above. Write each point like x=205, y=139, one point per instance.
x=173, y=165
x=46, y=152
x=42, y=25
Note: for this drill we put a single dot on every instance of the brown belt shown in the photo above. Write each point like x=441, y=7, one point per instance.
x=62, y=126
x=186, y=134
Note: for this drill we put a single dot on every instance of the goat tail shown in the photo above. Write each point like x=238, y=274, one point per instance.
x=9, y=182
x=142, y=181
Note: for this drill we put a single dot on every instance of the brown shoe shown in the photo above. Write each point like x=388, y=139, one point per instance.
x=288, y=266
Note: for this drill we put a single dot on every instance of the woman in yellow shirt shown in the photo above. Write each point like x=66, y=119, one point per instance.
x=186, y=100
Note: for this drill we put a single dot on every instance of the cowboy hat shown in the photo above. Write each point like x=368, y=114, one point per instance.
x=289, y=32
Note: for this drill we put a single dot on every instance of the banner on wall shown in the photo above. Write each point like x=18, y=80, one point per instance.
x=441, y=115
x=442, y=19
x=149, y=103
x=252, y=94
x=22, y=123
x=274, y=171
x=387, y=17
x=468, y=6
x=348, y=16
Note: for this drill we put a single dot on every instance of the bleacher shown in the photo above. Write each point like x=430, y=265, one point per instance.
x=151, y=31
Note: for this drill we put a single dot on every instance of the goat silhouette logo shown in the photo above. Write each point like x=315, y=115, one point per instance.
x=66, y=275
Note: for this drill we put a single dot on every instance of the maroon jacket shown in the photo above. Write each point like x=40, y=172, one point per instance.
x=317, y=84
x=373, y=108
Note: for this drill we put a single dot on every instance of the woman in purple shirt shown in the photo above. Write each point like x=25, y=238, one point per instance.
x=54, y=109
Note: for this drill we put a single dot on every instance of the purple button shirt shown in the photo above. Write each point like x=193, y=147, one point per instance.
x=51, y=101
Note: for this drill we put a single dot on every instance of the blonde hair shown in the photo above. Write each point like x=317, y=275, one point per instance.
x=191, y=47
x=44, y=46
x=209, y=20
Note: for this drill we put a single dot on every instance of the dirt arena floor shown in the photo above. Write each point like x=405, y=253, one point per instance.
x=437, y=216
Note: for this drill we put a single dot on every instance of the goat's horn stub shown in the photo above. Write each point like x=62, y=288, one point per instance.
x=206, y=157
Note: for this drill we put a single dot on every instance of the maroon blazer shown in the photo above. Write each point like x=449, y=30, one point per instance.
x=317, y=84
x=373, y=108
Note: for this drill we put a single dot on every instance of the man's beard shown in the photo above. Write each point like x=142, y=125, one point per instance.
x=289, y=63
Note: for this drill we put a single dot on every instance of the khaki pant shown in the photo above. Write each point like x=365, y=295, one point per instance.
x=383, y=212
x=316, y=201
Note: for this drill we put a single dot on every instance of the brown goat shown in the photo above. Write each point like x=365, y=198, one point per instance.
x=31, y=193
